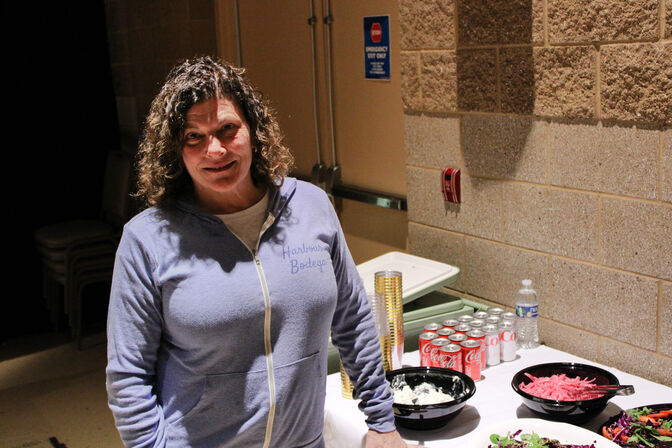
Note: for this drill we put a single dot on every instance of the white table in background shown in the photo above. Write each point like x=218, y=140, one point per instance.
x=494, y=401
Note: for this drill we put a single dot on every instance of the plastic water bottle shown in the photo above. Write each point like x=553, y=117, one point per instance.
x=527, y=307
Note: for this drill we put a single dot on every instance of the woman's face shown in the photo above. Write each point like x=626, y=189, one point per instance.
x=217, y=152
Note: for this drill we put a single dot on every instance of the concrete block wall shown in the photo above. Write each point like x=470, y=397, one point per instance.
x=559, y=114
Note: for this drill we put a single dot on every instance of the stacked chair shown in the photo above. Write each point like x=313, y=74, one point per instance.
x=79, y=253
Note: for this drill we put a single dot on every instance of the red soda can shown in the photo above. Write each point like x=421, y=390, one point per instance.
x=480, y=315
x=450, y=357
x=462, y=328
x=471, y=359
x=449, y=323
x=424, y=346
x=478, y=335
x=435, y=345
x=465, y=319
x=431, y=328
x=444, y=332
x=457, y=338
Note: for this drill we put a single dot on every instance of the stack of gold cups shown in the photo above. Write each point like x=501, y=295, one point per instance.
x=386, y=301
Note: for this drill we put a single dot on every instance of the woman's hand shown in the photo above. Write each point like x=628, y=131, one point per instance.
x=375, y=439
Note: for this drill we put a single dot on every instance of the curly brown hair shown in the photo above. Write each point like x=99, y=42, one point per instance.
x=162, y=176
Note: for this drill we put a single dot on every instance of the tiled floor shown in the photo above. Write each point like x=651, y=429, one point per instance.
x=55, y=393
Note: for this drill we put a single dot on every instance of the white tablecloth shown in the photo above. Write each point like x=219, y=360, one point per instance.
x=494, y=401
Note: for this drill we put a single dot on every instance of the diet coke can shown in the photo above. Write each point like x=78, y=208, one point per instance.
x=471, y=359
x=465, y=319
x=435, y=345
x=431, y=328
x=509, y=316
x=424, y=346
x=449, y=323
x=495, y=311
x=493, y=320
x=480, y=315
x=444, y=332
x=462, y=328
x=457, y=338
x=450, y=357
x=477, y=323
x=507, y=341
x=478, y=335
x=491, y=345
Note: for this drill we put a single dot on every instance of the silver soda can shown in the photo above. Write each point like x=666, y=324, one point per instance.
x=450, y=357
x=449, y=323
x=424, y=341
x=495, y=311
x=507, y=341
x=444, y=332
x=465, y=318
x=462, y=328
x=478, y=335
x=492, y=355
x=431, y=327
x=509, y=316
x=435, y=345
x=493, y=320
x=481, y=315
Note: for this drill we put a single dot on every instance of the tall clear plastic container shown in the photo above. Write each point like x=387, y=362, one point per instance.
x=527, y=308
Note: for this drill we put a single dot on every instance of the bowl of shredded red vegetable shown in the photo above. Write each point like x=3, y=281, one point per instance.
x=564, y=391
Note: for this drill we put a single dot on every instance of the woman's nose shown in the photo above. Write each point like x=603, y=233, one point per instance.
x=215, y=146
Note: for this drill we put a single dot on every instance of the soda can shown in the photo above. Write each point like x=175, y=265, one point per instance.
x=495, y=311
x=481, y=315
x=478, y=335
x=444, y=332
x=493, y=320
x=507, y=341
x=457, y=338
x=462, y=328
x=492, y=355
x=431, y=327
x=449, y=323
x=509, y=316
x=435, y=345
x=477, y=323
x=424, y=346
x=471, y=359
x=465, y=318
x=450, y=357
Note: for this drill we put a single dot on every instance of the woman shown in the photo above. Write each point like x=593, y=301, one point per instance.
x=227, y=288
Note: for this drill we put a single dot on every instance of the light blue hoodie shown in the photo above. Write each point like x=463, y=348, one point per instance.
x=213, y=344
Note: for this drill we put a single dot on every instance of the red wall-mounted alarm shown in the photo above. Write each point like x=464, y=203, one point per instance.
x=450, y=184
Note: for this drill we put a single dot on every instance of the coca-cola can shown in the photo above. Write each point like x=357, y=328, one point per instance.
x=507, y=341
x=471, y=359
x=431, y=327
x=435, y=345
x=496, y=311
x=477, y=323
x=478, y=335
x=424, y=341
x=444, y=332
x=508, y=316
x=462, y=328
x=481, y=315
x=492, y=355
x=450, y=357
x=465, y=319
x=493, y=320
x=457, y=338
x=449, y=323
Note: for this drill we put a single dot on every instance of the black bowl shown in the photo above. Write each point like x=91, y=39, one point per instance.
x=573, y=411
x=430, y=416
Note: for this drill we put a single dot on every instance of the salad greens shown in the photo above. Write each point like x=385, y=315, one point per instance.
x=641, y=428
x=532, y=440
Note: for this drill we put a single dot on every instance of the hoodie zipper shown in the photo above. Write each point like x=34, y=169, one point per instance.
x=268, y=347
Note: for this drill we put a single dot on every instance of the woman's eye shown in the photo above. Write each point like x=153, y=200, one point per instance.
x=228, y=130
x=192, y=138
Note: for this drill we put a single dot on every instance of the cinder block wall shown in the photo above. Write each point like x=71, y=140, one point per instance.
x=559, y=115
